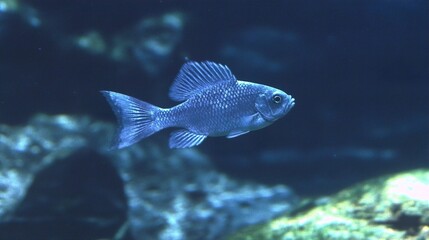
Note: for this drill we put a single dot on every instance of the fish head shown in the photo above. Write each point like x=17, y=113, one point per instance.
x=273, y=103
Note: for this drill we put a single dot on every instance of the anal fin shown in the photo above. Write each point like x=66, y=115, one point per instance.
x=184, y=138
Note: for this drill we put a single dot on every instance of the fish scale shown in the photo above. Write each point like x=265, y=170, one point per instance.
x=222, y=109
x=213, y=103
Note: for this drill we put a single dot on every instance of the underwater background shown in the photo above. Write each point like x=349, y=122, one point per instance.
x=359, y=71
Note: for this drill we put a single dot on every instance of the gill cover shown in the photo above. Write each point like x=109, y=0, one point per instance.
x=262, y=104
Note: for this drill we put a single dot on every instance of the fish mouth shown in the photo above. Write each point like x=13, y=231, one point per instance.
x=289, y=105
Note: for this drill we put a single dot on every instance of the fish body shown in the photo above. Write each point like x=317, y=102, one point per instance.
x=214, y=103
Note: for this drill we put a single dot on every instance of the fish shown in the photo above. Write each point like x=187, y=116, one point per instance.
x=213, y=103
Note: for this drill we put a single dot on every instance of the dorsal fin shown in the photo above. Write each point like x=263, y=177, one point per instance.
x=197, y=76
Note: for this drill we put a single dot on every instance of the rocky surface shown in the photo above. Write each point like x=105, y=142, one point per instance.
x=180, y=196
x=150, y=43
x=24, y=151
x=168, y=194
x=391, y=207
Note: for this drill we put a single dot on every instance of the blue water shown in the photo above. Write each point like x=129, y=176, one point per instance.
x=359, y=71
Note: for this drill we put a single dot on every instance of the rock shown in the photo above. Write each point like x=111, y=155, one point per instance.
x=27, y=150
x=391, y=207
x=150, y=44
x=179, y=195
x=67, y=200
x=170, y=194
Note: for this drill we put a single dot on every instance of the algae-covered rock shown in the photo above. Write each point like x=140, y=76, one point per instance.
x=391, y=207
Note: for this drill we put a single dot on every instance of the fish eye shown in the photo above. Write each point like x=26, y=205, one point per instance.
x=277, y=98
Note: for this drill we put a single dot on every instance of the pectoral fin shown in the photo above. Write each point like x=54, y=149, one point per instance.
x=234, y=134
x=251, y=122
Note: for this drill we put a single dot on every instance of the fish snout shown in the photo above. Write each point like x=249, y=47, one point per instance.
x=290, y=102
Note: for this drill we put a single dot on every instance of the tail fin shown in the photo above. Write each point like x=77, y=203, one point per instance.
x=135, y=117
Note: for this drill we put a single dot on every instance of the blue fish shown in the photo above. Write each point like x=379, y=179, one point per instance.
x=213, y=103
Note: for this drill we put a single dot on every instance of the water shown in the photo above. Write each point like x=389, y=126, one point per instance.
x=359, y=71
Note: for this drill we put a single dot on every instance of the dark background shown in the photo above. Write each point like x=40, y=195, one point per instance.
x=359, y=71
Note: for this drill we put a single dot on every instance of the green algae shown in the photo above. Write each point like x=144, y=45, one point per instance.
x=389, y=207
